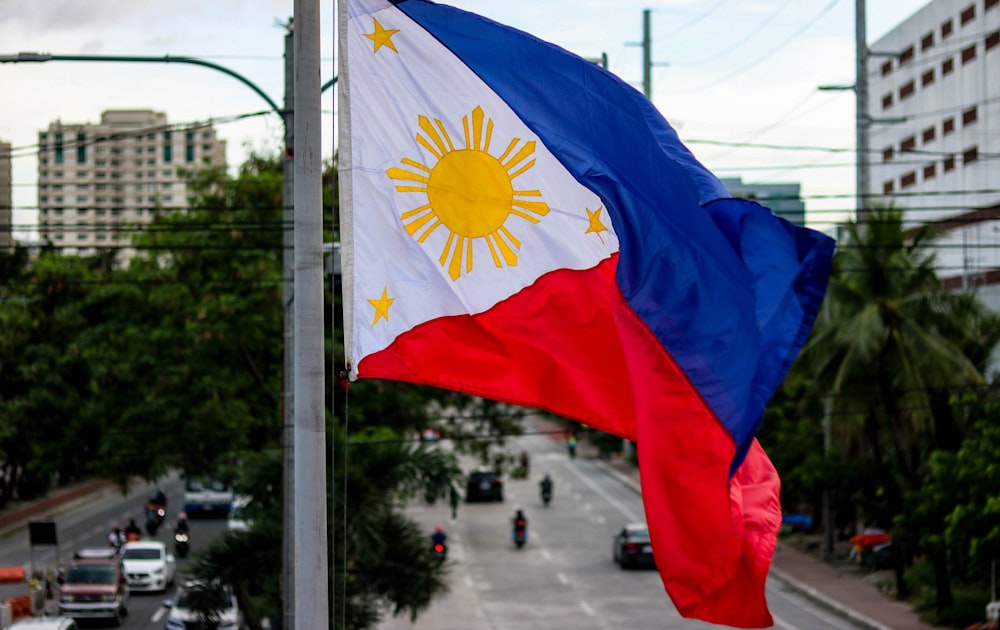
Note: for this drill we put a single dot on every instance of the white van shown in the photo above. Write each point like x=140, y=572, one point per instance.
x=203, y=495
x=44, y=623
x=238, y=520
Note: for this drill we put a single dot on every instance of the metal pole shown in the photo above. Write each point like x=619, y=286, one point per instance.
x=312, y=593
x=862, y=123
x=288, y=301
x=647, y=57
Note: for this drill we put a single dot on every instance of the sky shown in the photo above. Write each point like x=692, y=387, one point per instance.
x=738, y=79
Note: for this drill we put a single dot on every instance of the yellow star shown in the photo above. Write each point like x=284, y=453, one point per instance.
x=382, y=305
x=595, y=223
x=382, y=37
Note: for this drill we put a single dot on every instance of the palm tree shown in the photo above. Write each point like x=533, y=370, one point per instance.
x=889, y=342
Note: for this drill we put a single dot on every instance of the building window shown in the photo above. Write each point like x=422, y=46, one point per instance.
x=947, y=67
x=946, y=28
x=908, y=144
x=887, y=101
x=970, y=116
x=81, y=198
x=886, y=68
x=968, y=54
x=949, y=163
x=906, y=90
x=189, y=153
x=906, y=56
x=168, y=153
x=81, y=148
x=968, y=14
x=928, y=135
x=927, y=78
x=930, y=171
x=908, y=180
x=888, y=187
x=989, y=4
x=887, y=154
x=948, y=126
x=970, y=155
x=59, y=148
x=992, y=39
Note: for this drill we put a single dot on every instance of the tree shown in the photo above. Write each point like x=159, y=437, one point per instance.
x=888, y=339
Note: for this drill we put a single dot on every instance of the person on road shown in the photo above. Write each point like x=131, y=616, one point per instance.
x=439, y=536
x=116, y=537
x=132, y=531
x=182, y=523
x=546, y=485
x=571, y=445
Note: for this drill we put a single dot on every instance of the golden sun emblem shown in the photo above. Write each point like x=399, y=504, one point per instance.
x=469, y=191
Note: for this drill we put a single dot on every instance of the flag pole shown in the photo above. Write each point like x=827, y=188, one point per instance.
x=310, y=540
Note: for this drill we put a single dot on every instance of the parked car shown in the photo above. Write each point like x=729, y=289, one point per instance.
x=226, y=614
x=484, y=485
x=631, y=547
x=44, y=623
x=211, y=497
x=148, y=565
x=94, y=588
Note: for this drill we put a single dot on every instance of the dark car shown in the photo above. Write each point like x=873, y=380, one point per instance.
x=484, y=485
x=632, y=548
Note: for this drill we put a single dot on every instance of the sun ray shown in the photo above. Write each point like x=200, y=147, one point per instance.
x=468, y=258
x=407, y=176
x=429, y=230
x=526, y=150
x=444, y=134
x=415, y=211
x=432, y=134
x=509, y=255
x=477, y=127
x=527, y=193
x=447, y=248
x=493, y=250
x=540, y=208
x=510, y=147
x=415, y=164
x=522, y=169
x=455, y=266
x=465, y=128
x=513, y=240
x=418, y=222
x=489, y=135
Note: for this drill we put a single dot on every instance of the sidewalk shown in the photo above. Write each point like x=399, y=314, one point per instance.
x=16, y=515
x=843, y=590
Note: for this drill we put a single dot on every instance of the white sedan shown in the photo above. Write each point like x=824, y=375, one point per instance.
x=149, y=566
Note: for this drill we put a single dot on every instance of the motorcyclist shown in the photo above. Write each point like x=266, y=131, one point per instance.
x=182, y=523
x=116, y=537
x=546, y=488
x=520, y=527
x=158, y=498
x=132, y=531
x=439, y=537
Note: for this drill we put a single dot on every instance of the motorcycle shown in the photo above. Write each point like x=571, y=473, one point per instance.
x=154, y=518
x=546, y=495
x=520, y=531
x=440, y=551
x=181, y=544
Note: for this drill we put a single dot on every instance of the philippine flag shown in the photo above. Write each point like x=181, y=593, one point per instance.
x=518, y=223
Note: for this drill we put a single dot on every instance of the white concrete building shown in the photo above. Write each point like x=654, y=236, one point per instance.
x=942, y=163
x=6, y=199
x=98, y=183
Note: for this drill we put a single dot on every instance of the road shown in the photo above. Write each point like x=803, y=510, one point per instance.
x=87, y=525
x=564, y=577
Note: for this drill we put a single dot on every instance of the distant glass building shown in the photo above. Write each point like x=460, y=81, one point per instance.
x=97, y=183
x=6, y=199
x=784, y=200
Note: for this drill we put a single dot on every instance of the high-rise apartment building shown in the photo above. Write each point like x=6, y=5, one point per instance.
x=6, y=199
x=939, y=158
x=98, y=183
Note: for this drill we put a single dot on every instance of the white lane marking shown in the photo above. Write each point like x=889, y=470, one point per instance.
x=588, y=507
x=159, y=614
x=562, y=578
x=587, y=609
x=546, y=554
x=469, y=581
x=607, y=497
x=600, y=519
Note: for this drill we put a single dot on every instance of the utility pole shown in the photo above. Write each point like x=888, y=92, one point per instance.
x=863, y=122
x=288, y=302
x=647, y=57
x=312, y=595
